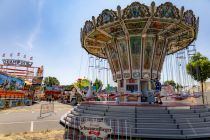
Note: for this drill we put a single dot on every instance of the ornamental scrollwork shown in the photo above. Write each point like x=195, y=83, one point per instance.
x=106, y=16
x=167, y=10
x=136, y=10
x=189, y=18
x=88, y=26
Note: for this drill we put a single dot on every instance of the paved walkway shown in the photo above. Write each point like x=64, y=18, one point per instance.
x=26, y=118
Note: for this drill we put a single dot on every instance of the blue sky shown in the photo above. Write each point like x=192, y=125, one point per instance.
x=49, y=30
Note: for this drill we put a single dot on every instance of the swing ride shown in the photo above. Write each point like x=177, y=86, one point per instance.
x=137, y=40
x=142, y=44
x=174, y=68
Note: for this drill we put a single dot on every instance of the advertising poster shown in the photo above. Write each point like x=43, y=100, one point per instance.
x=8, y=82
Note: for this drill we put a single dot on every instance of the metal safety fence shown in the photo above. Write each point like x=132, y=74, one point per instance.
x=46, y=108
x=97, y=128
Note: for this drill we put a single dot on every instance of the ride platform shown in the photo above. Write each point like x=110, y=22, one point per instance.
x=138, y=104
x=170, y=120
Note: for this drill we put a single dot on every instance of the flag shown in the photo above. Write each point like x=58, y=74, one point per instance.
x=18, y=54
x=10, y=54
x=31, y=58
x=3, y=55
x=24, y=56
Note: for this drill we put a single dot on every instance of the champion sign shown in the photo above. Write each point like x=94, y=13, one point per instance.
x=14, y=62
x=95, y=129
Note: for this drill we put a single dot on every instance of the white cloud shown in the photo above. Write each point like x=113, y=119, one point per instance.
x=33, y=35
x=20, y=45
x=29, y=43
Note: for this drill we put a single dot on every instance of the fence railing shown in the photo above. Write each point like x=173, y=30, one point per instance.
x=95, y=128
x=206, y=98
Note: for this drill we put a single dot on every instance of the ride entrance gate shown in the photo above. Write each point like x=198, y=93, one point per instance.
x=93, y=128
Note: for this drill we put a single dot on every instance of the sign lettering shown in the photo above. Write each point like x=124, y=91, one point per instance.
x=95, y=129
x=15, y=62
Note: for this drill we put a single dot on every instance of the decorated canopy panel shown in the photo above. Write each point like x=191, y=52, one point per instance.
x=136, y=39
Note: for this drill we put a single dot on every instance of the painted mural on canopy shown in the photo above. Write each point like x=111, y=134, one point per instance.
x=10, y=83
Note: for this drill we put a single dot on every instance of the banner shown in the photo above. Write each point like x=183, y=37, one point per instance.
x=9, y=82
x=15, y=62
x=95, y=129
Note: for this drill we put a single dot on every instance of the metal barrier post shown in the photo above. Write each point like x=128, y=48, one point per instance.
x=77, y=134
x=82, y=136
x=122, y=132
x=97, y=121
x=65, y=134
x=114, y=131
x=86, y=120
x=78, y=128
x=68, y=130
x=53, y=107
x=118, y=125
x=207, y=100
x=110, y=122
x=126, y=129
x=40, y=112
x=74, y=128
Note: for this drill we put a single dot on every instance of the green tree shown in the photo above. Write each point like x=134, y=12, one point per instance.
x=68, y=87
x=81, y=83
x=98, y=83
x=199, y=68
x=174, y=84
x=170, y=82
x=51, y=81
x=178, y=86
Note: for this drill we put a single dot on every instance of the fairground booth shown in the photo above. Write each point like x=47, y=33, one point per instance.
x=52, y=93
x=19, y=81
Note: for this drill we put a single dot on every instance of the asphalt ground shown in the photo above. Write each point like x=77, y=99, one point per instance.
x=27, y=118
